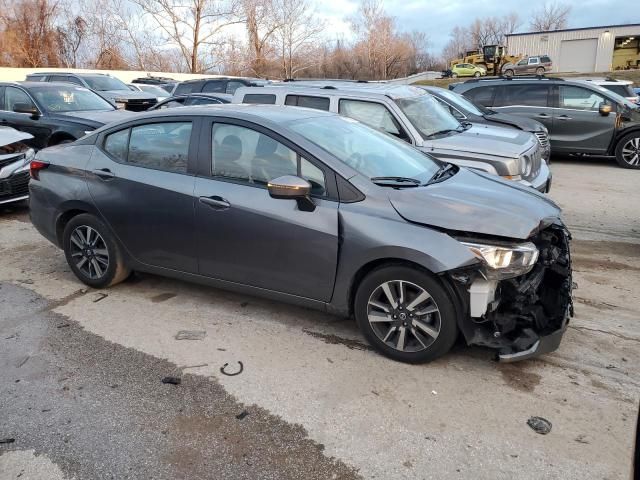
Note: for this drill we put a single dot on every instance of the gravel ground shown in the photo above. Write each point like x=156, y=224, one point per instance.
x=320, y=404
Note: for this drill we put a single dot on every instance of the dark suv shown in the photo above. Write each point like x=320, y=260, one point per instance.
x=582, y=118
x=216, y=85
x=108, y=87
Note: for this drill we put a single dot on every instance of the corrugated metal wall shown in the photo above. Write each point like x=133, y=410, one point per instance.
x=550, y=42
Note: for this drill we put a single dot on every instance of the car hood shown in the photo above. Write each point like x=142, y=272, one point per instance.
x=483, y=139
x=526, y=124
x=10, y=135
x=95, y=118
x=475, y=202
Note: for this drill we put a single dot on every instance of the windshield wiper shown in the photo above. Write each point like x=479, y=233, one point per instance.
x=443, y=172
x=459, y=129
x=400, y=182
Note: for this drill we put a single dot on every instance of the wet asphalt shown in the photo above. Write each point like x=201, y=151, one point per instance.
x=100, y=411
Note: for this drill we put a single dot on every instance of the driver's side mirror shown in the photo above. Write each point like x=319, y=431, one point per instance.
x=292, y=188
x=605, y=109
x=26, y=108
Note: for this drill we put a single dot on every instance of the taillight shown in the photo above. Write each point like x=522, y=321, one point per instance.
x=34, y=168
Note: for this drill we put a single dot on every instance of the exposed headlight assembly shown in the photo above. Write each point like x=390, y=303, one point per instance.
x=525, y=165
x=505, y=261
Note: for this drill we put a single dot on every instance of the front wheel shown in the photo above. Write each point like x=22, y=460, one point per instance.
x=454, y=75
x=628, y=151
x=476, y=74
x=92, y=253
x=508, y=73
x=405, y=314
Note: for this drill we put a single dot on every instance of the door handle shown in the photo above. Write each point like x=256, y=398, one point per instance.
x=216, y=202
x=543, y=115
x=104, y=173
x=563, y=117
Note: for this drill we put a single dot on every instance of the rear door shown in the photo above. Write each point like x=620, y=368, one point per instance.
x=247, y=237
x=141, y=179
x=578, y=126
x=529, y=99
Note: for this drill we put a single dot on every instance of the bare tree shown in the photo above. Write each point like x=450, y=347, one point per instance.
x=193, y=26
x=551, y=16
x=298, y=29
x=262, y=25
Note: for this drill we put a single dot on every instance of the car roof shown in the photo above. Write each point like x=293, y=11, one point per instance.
x=273, y=113
x=331, y=87
x=27, y=84
x=77, y=74
x=603, y=81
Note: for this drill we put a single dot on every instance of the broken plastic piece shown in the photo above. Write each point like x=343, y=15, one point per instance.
x=223, y=370
x=172, y=380
x=539, y=425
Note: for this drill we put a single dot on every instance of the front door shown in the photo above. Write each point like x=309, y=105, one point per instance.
x=141, y=183
x=526, y=99
x=578, y=126
x=36, y=125
x=247, y=237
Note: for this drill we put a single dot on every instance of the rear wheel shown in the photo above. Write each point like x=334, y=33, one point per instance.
x=476, y=74
x=405, y=314
x=92, y=253
x=628, y=151
x=508, y=73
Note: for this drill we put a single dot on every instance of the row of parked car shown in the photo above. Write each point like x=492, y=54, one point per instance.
x=357, y=204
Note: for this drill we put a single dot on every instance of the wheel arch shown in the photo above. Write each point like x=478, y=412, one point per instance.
x=620, y=135
x=69, y=211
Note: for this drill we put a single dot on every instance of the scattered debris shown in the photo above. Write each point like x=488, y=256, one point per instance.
x=190, y=335
x=26, y=281
x=45, y=410
x=63, y=325
x=375, y=393
x=7, y=440
x=581, y=439
x=195, y=366
x=22, y=361
x=539, y=425
x=13, y=335
x=100, y=296
x=428, y=437
x=329, y=360
x=222, y=349
x=172, y=380
x=609, y=367
x=242, y=414
x=433, y=392
x=224, y=372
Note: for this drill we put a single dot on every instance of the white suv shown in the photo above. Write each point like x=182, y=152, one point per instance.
x=621, y=87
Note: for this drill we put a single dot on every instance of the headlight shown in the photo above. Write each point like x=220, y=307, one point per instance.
x=505, y=261
x=525, y=165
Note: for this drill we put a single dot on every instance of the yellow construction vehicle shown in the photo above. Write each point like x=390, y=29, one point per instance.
x=491, y=57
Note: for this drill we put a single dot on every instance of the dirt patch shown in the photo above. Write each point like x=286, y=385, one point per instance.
x=336, y=340
x=517, y=377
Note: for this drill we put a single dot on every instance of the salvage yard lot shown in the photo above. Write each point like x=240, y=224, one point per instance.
x=81, y=374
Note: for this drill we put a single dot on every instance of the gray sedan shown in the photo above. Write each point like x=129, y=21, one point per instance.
x=318, y=210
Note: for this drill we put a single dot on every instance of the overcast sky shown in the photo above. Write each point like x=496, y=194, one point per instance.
x=438, y=17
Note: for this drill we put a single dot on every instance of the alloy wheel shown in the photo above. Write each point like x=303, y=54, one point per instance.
x=404, y=316
x=631, y=152
x=89, y=252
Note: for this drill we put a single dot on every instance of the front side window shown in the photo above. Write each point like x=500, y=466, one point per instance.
x=183, y=89
x=307, y=101
x=427, y=115
x=69, y=99
x=246, y=155
x=160, y=146
x=365, y=149
x=482, y=95
x=580, y=98
x=373, y=114
x=533, y=61
x=14, y=96
x=215, y=86
x=522, y=62
x=531, y=95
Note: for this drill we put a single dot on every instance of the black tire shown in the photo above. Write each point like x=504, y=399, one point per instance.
x=454, y=75
x=112, y=272
x=477, y=74
x=625, y=149
x=508, y=73
x=443, y=320
x=540, y=71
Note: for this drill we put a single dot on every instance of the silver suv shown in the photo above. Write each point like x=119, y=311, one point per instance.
x=413, y=115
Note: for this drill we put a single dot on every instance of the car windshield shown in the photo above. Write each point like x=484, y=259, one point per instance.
x=617, y=98
x=462, y=102
x=366, y=150
x=427, y=115
x=104, y=82
x=69, y=99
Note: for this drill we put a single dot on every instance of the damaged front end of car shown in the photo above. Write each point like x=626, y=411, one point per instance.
x=519, y=299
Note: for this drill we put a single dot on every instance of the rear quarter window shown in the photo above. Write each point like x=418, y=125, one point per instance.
x=319, y=103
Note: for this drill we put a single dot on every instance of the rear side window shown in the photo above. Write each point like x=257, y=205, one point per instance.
x=373, y=114
x=482, y=95
x=530, y=95
x=202, y=101
x=232, y=86
x=545, y=59
x=216, y=86
x=183, y=89
x=579, y=98
x=160, y=146
x=259, y=98
x=319, y=103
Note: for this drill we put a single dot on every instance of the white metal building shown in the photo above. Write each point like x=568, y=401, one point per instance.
x=593, y=49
